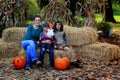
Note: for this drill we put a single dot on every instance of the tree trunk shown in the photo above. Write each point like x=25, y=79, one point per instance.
x=109, y=12
x=42, y=3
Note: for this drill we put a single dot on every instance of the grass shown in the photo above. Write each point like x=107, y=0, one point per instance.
x=116, y=12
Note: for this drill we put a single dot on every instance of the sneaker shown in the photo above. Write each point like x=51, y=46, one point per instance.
x=27, y=68
x=51, y=68
x=38, y=63
x=77, y=64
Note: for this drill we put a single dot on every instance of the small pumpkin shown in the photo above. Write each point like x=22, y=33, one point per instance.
x=19, y=62
x=62, y=63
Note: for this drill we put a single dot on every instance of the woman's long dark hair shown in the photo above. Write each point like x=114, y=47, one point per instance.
x=54, y=27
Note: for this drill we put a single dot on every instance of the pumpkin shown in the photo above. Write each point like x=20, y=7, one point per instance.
x=19, y=62
x=62, y=63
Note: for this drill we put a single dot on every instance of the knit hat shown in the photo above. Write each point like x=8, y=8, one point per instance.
x=46, y=24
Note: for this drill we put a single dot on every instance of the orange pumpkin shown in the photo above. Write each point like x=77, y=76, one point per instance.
x=62, y=63
x=19, y=62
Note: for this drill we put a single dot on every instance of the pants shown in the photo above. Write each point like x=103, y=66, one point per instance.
x=71, y=54
x=31, y=54
x=47, y=48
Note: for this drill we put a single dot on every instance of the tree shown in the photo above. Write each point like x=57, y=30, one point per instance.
x=108, y=12
x=42, y=3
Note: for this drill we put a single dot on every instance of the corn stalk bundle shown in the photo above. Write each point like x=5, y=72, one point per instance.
x=56, y=10
x=99, y=50
x=12, y=12
x=80, y=36
x=8, y=49
x=13, y=34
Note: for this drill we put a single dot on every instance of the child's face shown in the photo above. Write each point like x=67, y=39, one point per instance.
x=58, y=26
x=46, y=28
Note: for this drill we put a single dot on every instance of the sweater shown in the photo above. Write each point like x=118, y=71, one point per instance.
x=44, y=37
x=32, y=33
x=60, y=38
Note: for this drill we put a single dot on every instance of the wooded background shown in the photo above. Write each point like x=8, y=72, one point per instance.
x=17, y=12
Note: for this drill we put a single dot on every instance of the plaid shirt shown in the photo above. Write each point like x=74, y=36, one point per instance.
x=44, y=37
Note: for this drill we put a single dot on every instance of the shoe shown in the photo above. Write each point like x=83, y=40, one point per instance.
x=77, y=64
x=51, y=68
x=27, y=68
x=38, y=63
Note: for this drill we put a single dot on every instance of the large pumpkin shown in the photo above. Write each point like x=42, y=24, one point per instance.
x=19, y=62
x=62, y=63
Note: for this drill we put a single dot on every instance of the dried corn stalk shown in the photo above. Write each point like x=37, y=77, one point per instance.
x=56, y=10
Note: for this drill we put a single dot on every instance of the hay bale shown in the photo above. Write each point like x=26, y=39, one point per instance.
x=1, y=40
x=80, y=36
x=8, y=49
x=60, y=53
x=22, y=52
x=76, y=36
x=14, y=34
x=57, y=53
x=99, y=50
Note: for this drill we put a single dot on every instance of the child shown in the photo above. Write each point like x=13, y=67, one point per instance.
x=46, y=44
x=61, y=40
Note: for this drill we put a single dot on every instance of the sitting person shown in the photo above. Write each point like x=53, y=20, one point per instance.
x=61, y=40
x=29, y=42
x=46, y=42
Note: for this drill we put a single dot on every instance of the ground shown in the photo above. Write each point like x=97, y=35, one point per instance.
x=90, y=70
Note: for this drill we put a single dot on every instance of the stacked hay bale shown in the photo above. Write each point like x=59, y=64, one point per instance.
x=83, y=40
x=10, y=42
x=80, y=36
x=98, y=50
x=57, y=53
x=85, y=43
x=14, y=34
x=8, y=49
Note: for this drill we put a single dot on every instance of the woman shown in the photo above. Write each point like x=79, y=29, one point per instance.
x=29, y=42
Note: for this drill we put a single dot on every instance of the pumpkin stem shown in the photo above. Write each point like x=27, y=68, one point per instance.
x=60, y=55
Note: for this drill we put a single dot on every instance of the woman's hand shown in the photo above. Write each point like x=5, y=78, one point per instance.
x=38, y=42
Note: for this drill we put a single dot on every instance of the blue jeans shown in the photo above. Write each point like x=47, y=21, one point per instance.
x=47, y=48
x=31, y=54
